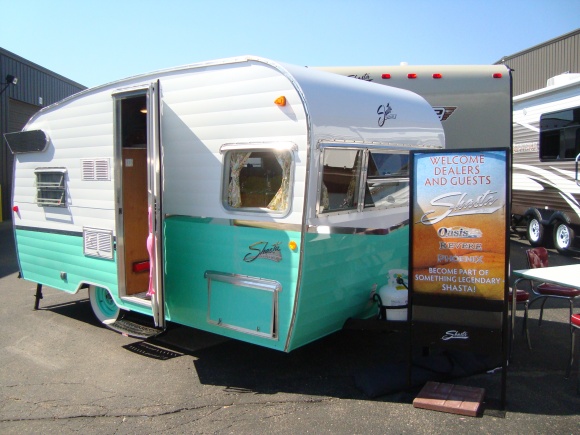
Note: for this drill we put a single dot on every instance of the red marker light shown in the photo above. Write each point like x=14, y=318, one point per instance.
x=386, y=76
x=497, y=75
x=412, y=76
x=437, y=76
x=15, y=209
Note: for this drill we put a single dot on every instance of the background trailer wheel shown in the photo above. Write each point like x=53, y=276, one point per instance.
x=535, y=231
x=563, y=237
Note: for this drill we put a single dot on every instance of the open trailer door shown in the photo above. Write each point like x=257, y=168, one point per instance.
x=154, y=239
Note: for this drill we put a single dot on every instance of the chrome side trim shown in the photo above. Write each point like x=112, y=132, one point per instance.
x=266, y=225
x=279, y=146
x=324, y=229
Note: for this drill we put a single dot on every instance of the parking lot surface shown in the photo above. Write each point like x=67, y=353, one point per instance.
x=61, y=372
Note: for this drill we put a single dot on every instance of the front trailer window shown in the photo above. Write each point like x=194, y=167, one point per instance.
x=258, y=180
x=356, y=179
x=50, y=187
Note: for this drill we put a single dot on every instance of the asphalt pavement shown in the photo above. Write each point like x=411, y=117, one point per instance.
x=61, y=372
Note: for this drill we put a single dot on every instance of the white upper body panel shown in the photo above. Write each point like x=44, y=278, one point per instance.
x=203, y=107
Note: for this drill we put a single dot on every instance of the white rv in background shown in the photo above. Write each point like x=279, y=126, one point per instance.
x=546, y=150
x=473, y=102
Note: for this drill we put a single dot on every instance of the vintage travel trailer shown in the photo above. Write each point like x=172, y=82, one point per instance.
x=257, y=200
x=546, y=150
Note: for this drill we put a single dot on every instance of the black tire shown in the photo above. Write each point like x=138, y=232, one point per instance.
x=563, y=237
x=535, y=231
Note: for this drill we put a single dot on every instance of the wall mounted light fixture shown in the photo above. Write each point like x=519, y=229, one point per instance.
x=10, y=80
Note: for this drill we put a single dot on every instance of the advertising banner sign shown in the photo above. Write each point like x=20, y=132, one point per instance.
x=459, y=247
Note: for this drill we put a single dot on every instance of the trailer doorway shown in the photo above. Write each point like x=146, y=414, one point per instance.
x=138, y=202
x=132, y=196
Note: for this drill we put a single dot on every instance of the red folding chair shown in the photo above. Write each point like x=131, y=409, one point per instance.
x=538, y=257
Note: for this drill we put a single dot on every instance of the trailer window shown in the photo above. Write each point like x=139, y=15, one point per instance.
x=258, y=180
x=560, y=135
x=340, y=180
x=387, y=183
x=346, y=186
x=51, y=187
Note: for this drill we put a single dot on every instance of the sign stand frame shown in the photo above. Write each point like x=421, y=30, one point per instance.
x=469, y=188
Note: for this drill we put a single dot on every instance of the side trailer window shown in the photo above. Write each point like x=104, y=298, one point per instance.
x=51, y=187
x=340, y=180
x=560, y=135
x=257, y=180
x=387, y=183
x=363, y=179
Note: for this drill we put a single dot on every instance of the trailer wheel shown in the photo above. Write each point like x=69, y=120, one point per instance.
x=563, y=237
x=103, y=305
x=535, y=231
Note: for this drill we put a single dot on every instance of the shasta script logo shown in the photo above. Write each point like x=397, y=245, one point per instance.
x=384, y=112
x=455, y=335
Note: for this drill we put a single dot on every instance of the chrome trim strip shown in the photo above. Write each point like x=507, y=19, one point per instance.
x=387, y=146
x=279, y=146
x=266, y=225
x=315, y=229
x=324, y=229
x=307, y=181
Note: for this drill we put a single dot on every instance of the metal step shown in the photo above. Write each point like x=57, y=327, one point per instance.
x=130, y=328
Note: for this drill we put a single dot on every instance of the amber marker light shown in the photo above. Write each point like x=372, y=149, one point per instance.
x=280, y=101
x=292, y=245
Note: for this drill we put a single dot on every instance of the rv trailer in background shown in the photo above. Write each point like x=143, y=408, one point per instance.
x=261, y=201
x=546, y=149
x=473, y=102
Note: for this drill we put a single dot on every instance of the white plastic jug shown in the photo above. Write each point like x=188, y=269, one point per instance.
x=395, y=295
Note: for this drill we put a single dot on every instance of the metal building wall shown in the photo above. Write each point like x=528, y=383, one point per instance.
x=37, y=86
x=534, y=66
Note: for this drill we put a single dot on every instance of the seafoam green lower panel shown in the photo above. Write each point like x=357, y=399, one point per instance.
x=339, y=272
x=338, y=275
x=58, y=261
x=240, y=307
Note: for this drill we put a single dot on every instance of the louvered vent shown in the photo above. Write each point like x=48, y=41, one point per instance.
x=96, y=170
x=98, y=243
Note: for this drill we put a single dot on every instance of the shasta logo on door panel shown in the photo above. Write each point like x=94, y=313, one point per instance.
x=265, y=251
